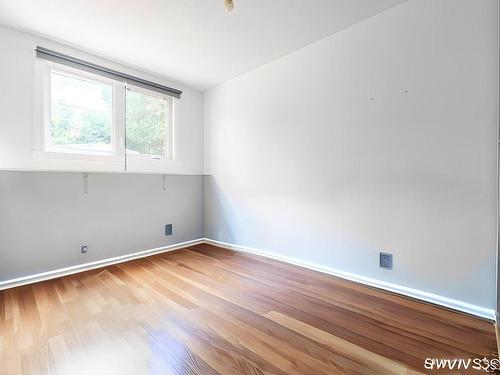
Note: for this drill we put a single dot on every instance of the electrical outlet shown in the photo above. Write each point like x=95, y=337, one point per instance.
x=168, y=230
x=83, y=249
x=386, y=261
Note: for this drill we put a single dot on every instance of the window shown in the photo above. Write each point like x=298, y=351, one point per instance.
x=147, y=124
x=81, y=114
x=91, y=118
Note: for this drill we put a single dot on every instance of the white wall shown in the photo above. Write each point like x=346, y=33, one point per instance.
x=304, y=165
x=19, y=103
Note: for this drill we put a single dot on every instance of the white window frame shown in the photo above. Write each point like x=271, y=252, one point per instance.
x=115, y=131
x=169, y=133
x=53, y=158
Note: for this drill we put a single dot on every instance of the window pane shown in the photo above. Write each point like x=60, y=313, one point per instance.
x=81, y=114
x=146, y=124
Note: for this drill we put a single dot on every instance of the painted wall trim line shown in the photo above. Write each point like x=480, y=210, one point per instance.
x=405, y=291
x=92, y=265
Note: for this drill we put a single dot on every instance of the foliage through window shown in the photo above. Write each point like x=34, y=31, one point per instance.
x=97, y=116
x=146, y=124
x=81, y=114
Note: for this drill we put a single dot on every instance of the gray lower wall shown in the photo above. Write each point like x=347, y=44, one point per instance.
x=45, y=217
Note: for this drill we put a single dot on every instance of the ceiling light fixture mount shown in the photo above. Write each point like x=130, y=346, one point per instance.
x=229, y=5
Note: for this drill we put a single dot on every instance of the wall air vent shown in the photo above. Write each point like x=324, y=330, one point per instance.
x=386, y=260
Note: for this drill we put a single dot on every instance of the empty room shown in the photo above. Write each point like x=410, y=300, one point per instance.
x=249, y=187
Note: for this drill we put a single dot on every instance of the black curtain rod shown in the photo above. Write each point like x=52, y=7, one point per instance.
x=47, y=54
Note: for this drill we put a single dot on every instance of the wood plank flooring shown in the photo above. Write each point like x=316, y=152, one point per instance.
x=207, y=310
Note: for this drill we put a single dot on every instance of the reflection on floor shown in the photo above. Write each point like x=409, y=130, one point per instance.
x=207, y=310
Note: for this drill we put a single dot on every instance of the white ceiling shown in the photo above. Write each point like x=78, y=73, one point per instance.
x=191, y=41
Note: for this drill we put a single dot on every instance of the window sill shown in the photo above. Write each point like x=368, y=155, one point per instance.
x=74, y=155
x=149, y=165
x=71, y=162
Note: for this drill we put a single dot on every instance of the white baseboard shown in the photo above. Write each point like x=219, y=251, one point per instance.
x=410, y=292
x=414, y=293
x=92, y=265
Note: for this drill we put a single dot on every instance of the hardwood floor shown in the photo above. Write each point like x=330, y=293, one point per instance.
x=206, y=310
